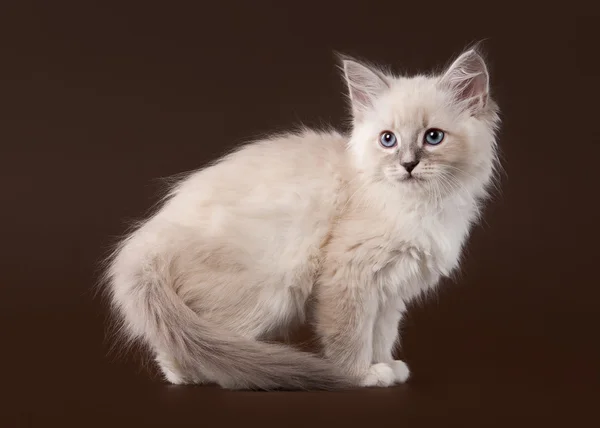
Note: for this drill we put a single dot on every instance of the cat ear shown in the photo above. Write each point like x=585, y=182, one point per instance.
x=364, y=85
x=468, y=79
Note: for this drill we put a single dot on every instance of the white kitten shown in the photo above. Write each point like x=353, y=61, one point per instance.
x=361, y=224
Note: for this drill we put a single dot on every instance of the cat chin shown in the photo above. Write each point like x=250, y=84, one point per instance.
x=417, y=187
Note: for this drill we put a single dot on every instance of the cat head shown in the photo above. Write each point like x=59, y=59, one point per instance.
x=424, y=134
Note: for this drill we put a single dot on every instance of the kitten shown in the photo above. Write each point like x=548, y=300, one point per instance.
x=360, y=223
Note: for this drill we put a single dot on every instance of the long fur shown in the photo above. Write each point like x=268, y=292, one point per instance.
x=231, y=257
x=196, y=345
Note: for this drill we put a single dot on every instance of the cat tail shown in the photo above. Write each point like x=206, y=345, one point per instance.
x=197, y=349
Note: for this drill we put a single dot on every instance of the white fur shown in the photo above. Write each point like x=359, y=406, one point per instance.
x=245, y=242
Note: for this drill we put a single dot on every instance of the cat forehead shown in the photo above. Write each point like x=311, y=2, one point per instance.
x=416, y=100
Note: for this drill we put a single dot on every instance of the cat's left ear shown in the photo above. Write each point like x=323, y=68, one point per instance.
x=365, y=85
x=468, y=80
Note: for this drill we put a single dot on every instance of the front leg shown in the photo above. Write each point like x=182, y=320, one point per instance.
x=385, y=338
x=345, y=317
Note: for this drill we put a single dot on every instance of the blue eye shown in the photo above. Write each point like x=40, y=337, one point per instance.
x=388, y=139
x=434, y=136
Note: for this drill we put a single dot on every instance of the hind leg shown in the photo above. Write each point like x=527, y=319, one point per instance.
x=231, y=319
x=173, y=373
x=345, y=323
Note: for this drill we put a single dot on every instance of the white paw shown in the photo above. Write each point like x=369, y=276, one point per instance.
x=401, y=371
x=379, y=374
x=171, y=376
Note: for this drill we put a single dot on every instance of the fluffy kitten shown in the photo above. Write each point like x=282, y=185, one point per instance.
x=359, y=223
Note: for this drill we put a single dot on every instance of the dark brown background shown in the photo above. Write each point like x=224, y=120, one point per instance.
x=100, y=99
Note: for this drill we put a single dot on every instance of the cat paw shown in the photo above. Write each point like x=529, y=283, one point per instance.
x=172, y=377
x=401, y=371
x=379, y=374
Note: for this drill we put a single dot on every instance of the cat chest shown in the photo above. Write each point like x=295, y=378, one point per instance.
x=417, y=260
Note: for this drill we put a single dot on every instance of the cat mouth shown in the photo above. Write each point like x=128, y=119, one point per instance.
x=406, y=178
x=410, y=178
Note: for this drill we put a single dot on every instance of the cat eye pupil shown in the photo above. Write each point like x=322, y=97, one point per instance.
x=434, y=136
x=387, y=139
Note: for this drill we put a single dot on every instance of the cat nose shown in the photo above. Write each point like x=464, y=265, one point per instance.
x=409, y=166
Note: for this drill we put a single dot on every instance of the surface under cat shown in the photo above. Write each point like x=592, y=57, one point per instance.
x=361, y=223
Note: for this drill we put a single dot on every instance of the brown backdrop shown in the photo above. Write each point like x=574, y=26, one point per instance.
x=99, y=99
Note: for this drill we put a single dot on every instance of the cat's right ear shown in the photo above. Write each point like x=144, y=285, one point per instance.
x=365, y=85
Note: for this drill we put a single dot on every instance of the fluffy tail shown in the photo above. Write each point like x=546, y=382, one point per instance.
x=154, y=311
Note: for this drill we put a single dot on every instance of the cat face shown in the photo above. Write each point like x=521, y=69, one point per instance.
x=428, y=134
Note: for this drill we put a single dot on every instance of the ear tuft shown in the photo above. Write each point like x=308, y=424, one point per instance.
x=468, y=79
x=365, y=85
